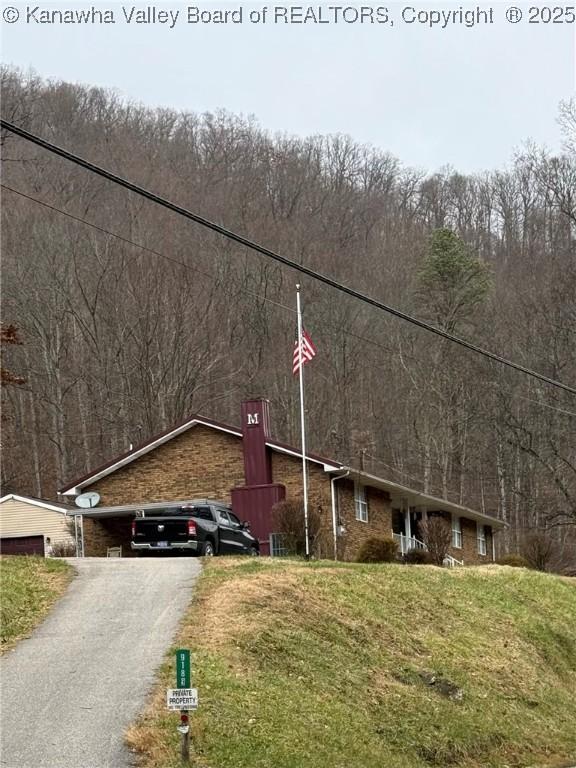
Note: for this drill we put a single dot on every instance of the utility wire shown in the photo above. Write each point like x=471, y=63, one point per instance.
x=54, y=149
x=332, y=330
x=126, y=240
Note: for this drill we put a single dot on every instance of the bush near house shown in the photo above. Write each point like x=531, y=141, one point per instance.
x=334, y=665
x=417, y=557
x=437, y=536
x=516, y=561
x=544, y=552
x=377, y=550
x=29, y=585
x=64, y=549
x=288, y=519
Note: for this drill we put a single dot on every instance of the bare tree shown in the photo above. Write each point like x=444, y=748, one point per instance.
x=437, y=535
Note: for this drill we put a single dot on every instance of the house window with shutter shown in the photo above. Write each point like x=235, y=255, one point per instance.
x=360, y=503
x=456, y=532
x=481, y=535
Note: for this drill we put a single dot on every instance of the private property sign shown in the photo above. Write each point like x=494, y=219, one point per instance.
x=182, y=698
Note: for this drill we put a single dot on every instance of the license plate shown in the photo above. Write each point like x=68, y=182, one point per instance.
x=162, y=544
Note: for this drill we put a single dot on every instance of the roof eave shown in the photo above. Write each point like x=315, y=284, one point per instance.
x=78, y=485
x=281, y=448
x=423, y=499
x=35, y=502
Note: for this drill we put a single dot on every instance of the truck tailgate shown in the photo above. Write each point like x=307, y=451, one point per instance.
x=163, y=529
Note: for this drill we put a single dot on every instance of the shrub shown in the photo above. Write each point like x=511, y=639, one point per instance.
x=437, y=535
x=64, y=549
x=377, y=550
x=516, y=561
x=288, y=519
x=539, y=549
x=417, y=557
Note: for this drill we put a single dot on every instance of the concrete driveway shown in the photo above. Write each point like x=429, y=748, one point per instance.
x=69, y=692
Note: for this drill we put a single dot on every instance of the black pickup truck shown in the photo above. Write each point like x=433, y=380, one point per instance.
x=203, y=528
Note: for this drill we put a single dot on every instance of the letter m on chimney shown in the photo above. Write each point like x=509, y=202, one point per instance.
x=252, y=418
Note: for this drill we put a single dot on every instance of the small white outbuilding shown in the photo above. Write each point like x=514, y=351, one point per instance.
x=27, y=523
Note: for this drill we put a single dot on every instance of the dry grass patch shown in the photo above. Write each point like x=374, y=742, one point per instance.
x=314, y=665
x=233, y=610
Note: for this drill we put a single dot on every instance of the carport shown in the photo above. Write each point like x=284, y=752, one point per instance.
x=104, y=528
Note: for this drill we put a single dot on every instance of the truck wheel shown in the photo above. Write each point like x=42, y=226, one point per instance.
x=254, y=552
x=208, y=549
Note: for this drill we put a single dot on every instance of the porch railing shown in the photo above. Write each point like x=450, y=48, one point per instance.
x=406, y=543
x=451, y=562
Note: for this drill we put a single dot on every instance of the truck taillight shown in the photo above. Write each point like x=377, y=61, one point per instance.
x=191, y=528
x=133, y=528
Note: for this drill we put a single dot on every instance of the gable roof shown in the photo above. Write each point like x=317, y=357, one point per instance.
x=397, y=491
x=73, y=488
x=37, y=503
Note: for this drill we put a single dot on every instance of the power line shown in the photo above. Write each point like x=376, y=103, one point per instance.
x=539, y=402
x=126, y=240
x=54, y=149
x=333, y=331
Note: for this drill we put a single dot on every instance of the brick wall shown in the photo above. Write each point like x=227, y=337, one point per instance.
x=101, y=534
x=199, y=463
x=288, y=471
x=469, y=552
x=379, y=518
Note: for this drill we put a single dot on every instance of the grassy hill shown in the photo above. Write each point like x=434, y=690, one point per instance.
x=354, y=666
x=28, y=588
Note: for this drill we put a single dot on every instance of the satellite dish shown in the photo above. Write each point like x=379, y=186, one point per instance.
x=87, y=500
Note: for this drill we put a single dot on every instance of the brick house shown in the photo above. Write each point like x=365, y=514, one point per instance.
x=245, y=467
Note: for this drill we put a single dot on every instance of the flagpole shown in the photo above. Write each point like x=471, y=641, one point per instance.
x=302, y=424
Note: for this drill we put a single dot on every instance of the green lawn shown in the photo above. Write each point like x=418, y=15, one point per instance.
x=384, y=666
x=28, y=588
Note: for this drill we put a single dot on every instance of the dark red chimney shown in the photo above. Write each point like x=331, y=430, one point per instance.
x=253, y=502
x=255, y=432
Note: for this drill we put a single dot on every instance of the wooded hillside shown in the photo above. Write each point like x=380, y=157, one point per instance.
x=133, y=323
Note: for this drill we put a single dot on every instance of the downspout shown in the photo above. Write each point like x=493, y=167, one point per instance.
x=334, y=511
x=493, y=545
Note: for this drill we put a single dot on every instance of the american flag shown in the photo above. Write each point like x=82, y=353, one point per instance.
x=303, y=355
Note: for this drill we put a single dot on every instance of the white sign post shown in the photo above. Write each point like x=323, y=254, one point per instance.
x=183, y=699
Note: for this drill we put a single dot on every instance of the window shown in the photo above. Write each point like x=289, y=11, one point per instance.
x=204, y=513
x=481, y=534
x=234, y=521
x=360, y=503
x=278, y=546
x=223, y=518
x=456, y=533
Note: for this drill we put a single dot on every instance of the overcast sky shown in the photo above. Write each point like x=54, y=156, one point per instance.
x=461, y=96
